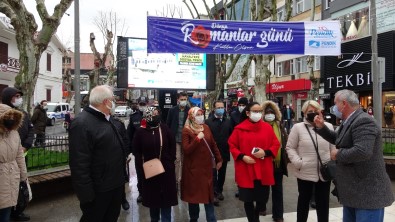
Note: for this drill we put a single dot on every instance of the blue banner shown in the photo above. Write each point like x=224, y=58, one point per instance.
x=169, y=35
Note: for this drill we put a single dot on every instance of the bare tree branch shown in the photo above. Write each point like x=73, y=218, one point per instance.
x=189, y=8
x=210, y=15
x=197, y=12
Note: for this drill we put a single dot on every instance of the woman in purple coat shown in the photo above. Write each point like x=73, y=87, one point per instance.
x=159, y=192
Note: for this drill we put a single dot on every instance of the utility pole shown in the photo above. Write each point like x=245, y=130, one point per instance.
x=77, y=94
x=377, y=106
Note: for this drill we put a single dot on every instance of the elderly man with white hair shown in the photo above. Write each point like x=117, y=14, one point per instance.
x=97, y=159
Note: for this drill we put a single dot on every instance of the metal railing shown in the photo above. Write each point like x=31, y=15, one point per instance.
x=388, y=137
x=52, y=152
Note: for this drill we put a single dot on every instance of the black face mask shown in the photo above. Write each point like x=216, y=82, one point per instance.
x=8, y=123
x=310, y=117
x=154, y=122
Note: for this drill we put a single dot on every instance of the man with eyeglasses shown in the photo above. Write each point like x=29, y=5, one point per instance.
x=13, y=98
x=221, y=128
x=97, y=158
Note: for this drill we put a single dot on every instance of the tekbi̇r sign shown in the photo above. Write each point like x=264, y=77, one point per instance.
x=168, y=35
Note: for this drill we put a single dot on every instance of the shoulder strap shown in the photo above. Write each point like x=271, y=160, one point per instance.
x=208, y=147
x=315, y=145
x=161, y=144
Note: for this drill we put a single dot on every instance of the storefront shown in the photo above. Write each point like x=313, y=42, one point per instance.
x=297, y=90
x=352, y=70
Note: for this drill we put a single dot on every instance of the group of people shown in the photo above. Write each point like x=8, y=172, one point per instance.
x=194, y=152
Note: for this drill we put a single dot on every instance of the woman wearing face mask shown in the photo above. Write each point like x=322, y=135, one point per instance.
x=253, y=145
x=301, y=149
x=12, y=161
x=272, y=115
x=156, y=141
x=201, y=157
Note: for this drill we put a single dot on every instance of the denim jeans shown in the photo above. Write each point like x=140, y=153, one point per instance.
x=165, y=214
x=5, y=214
x=362, y=215
x=194, y=212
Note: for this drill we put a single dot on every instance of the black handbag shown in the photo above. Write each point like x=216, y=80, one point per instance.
x=23, y=198
x=327, y=170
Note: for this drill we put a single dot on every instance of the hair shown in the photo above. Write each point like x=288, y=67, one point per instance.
x=218, y=101
x=43, y=101
x=243, y=115
x=349, y=96
x=312, y=103
x=182, y=94
x=99, y=94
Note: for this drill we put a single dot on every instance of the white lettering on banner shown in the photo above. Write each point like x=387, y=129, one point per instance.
x=277, y=87
x=275, y=36
x=187, y=34
x=348, y=80
x=349, y=62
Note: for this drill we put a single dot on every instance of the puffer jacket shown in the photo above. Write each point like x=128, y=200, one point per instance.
x=302, y=154
x=12, y=161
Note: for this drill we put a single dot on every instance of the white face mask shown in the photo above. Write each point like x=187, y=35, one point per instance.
x=255, y=117
x=18, y=102
x=142, y=108
x=199, y=120
x=112, y=108
x=241, y=108
x=183, y=103
x=270, y=117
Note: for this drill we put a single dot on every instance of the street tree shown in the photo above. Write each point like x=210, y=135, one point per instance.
x=310, y=62
x=31, y=42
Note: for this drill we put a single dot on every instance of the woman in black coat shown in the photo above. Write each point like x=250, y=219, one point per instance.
x=159, y=192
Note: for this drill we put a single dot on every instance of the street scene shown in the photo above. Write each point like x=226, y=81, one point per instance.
x=170, y=110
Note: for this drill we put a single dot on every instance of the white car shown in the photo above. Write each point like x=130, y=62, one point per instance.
x=122, y=111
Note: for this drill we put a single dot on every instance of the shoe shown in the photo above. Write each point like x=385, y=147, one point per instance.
x=216, y=202
x=220, y=196
x=262, y=213
x=139, y=199
x=312, y=204
x=125, y=205
x=20, y=217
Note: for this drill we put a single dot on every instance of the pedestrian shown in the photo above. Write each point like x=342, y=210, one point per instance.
x=176, y=118
x=13, y=98
x=135, y=123
x=118, y=123
x=288, y=116
x=39, y=120
x=236, y=113
x=272, y=115
x=253, y=145
x=12, y=161
x=157, y=141
x=221, y=128
x=363, y=185
x=201, y=159
x=302, y=147
x=97, y=159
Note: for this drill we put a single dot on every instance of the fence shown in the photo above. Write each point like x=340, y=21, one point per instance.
x=53, y=152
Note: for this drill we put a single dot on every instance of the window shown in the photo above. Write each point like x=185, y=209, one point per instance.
x=287, y=67
x=327, y=3
x=48, y=63
x=279, y=69
x=299, y=6
x=3, y=53
x=317, y=63
x=48, y=95
x=280, y=14
x=67, y=60
x=292, y=66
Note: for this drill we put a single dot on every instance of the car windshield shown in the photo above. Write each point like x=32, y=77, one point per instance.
x=121, y=108
x=51, y=108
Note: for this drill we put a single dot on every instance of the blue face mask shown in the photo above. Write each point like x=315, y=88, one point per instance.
x=336, y=112
x=219, y=112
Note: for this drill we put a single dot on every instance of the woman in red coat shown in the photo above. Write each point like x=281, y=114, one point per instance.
x=201, y=157
x=253, y=145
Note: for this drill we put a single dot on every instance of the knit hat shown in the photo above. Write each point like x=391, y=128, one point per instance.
x=243, y=100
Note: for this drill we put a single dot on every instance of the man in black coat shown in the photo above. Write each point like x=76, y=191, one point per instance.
x=176, y=118
x=13, y=98
x=235, y=115
x=39, y=120
x=221, y=128
x=97, y=158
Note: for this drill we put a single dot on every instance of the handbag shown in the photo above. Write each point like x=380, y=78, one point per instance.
x=154, y=167
x=327, y=170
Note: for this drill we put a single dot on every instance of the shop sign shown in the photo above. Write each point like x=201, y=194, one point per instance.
x=301, y=95
x=287, y=86
x=233, y=85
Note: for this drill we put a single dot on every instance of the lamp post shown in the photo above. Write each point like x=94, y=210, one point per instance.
x=77, y=97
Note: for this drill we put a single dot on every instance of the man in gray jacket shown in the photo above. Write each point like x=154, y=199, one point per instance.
x=363, y=185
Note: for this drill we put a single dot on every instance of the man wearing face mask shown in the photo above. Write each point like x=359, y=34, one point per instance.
x=235, y=115
x=97, y=158
x=176, y=118
x=13, y=98
x=221, y=128
x=363, y=185
x=39, y=120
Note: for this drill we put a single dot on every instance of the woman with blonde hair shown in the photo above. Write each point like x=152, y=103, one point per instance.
x=303, y=147
x=201, y=157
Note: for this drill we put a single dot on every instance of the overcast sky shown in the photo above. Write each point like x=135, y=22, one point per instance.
x=134, y=12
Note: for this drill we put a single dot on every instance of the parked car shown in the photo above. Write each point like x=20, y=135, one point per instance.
x=56, y=111
x=123, y=111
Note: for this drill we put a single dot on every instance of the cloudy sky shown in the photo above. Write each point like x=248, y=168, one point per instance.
x=134, y=12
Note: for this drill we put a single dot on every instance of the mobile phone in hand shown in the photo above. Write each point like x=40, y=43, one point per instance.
x=254, y=150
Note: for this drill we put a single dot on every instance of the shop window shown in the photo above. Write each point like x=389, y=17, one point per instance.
x=355, y=24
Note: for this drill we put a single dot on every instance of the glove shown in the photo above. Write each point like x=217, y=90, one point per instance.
x=200, y=135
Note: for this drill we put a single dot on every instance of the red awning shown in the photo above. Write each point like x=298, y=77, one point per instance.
x=287, y=86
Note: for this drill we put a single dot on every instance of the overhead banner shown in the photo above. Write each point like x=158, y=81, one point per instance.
x=169, y=35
